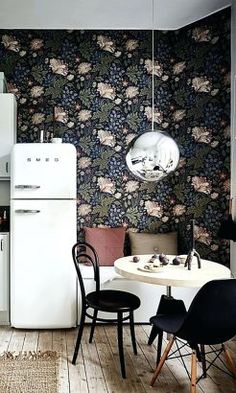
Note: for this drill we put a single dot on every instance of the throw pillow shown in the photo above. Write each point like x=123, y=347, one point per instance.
x=108, y=242
x=149, y=243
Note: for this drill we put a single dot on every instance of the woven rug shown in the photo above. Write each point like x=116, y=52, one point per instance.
x=29, y=372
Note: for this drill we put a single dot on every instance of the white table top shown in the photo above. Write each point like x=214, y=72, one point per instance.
x=170, y=275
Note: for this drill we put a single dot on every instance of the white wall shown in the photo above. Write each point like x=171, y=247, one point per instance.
x=233, y=131
x=76, y=14
x=105, y=14
x=174, y=14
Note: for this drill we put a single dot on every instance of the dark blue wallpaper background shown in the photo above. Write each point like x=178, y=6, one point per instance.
x=99, y=85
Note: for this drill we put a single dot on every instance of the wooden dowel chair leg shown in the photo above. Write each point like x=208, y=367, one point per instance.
x=229, y=361
x=162, y=360
x=193, y=372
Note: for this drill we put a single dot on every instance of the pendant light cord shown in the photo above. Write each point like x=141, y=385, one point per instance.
x=153, y=65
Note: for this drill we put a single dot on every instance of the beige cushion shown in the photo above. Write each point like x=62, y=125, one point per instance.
x=149, y=243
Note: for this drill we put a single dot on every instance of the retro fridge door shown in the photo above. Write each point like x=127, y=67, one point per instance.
x=43, y=279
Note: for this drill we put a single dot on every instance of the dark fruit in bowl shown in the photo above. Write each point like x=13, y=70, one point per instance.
x=176, y=261
x=163, y=259
x=135, y=258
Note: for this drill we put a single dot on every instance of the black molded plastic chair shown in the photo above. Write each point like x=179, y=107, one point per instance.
x=111, y=301
x=210, y=320
x=168, y=306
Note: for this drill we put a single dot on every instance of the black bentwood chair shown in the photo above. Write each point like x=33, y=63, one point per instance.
x=210, y=320
x=111, y=301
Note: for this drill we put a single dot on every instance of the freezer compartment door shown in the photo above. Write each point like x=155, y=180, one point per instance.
x=43, y=170
x=43, y=277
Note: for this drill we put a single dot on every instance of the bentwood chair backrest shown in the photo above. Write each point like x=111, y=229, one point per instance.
x=84, y=253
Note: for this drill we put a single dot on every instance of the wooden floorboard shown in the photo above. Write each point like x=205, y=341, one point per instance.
x=77, y=376
x=133, y=383
x=31, y=340
x=97, y=369
x=59, y=345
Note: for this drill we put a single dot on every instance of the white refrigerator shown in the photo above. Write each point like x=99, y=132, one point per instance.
x=43, y=231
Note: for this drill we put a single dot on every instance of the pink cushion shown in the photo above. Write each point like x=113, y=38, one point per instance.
x=108, y=242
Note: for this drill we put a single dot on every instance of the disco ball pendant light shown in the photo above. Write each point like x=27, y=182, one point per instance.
x=152, y=156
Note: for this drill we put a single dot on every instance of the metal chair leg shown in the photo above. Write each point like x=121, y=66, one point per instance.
x=120, y=343
x=95, y=313
x=162, y=360
x=193, y=372
x=203, y=360
x=132, y=332
x=154, y=332
x=159, y=346
x=80, y=333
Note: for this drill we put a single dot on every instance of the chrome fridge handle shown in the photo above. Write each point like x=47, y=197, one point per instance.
x=26, y=186
x=25, y=211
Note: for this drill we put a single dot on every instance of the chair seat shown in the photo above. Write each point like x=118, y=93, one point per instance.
x=168, y=323
x=113, y=301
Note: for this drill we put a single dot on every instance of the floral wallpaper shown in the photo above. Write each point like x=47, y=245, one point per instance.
x=98, y=85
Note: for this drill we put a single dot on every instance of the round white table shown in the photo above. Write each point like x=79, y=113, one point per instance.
x=171, y=275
